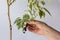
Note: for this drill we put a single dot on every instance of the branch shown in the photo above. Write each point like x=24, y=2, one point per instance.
x=12, y=2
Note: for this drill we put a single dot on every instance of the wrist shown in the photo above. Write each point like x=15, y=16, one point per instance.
x=51, y=33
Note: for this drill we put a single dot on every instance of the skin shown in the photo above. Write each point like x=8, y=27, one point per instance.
x=41, y=28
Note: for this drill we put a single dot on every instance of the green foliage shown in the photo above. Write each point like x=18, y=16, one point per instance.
x=18, y=22
x=47, y=11
x=41, y=13
x=26, y=17
x=42, y=2
x=34, y=8
x=21, y=22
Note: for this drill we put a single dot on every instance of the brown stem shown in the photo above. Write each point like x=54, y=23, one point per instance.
x=9, y=21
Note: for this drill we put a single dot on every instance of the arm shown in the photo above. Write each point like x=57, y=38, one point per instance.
x=51, y=33
x=42, y=28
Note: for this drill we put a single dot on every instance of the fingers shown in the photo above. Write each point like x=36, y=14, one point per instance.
x=36, y=26
x=32, y=25
x=33, y=29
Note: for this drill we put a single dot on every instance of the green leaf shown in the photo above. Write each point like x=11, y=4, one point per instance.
x=30, y=6
x=19, y=25
x=23, y=24
x=30, y=11
x=26, y=17
x=42, y=2
x=18, y=22
x=35, y=5
x=47, y=11
x=30, y=1
x=41, y=13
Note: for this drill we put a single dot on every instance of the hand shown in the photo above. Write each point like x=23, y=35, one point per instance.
x=36, y=26
x=42, y=28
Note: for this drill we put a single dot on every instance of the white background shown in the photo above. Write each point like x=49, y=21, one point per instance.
x=17, y=9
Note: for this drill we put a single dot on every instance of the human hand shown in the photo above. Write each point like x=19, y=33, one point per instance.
x=36, y=26
x=42, y=28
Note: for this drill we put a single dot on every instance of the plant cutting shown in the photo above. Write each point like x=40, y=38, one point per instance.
x=9, y=3
x=35, y=8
